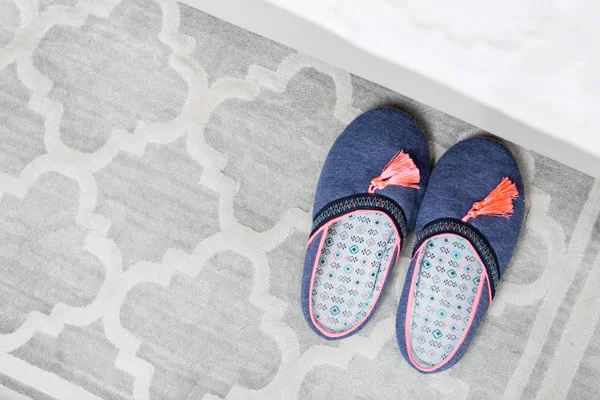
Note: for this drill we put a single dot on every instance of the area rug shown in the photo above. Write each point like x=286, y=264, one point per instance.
x=157, y=171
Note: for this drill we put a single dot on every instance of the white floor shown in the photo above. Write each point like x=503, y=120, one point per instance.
x=522, y=70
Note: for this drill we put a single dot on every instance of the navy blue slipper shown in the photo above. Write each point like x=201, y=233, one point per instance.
x=467, y=229
x=368, y=195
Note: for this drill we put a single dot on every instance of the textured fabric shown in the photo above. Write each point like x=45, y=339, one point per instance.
x=401, y=317
x=306, y=295
x=443, y=299
x=351, y=269
x=165, y=266
x=361, y=152
x=361, y=202
x=480, y=245
x=466, y=173
x=358, y=155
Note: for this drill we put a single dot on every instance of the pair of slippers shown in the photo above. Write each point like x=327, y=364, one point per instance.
x=375, y=187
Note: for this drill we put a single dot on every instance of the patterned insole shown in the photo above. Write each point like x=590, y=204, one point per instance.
x=444, y=297
x=351, y=269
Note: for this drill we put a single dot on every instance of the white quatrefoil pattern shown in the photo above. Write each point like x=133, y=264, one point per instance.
x=157, y=173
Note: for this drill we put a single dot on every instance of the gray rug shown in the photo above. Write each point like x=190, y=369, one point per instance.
x=157, y=169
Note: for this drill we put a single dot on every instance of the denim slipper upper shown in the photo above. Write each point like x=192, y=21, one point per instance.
x=367, y=199
x=467, y=229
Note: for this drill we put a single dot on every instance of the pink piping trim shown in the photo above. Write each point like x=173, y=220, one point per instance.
x=314, y=235
x=314, y=270
x=409, y=306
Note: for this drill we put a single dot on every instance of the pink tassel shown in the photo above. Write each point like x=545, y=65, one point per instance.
x=499, y=203
x=400, y=171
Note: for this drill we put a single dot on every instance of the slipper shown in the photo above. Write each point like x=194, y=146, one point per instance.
x=467, y=229
x=367, y=198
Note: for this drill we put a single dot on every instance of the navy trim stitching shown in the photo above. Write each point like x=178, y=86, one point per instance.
x=483, y=248
x=364, y=201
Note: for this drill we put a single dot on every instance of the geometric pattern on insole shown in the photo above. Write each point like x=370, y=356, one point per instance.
x=444, y=297
x=351, y=269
